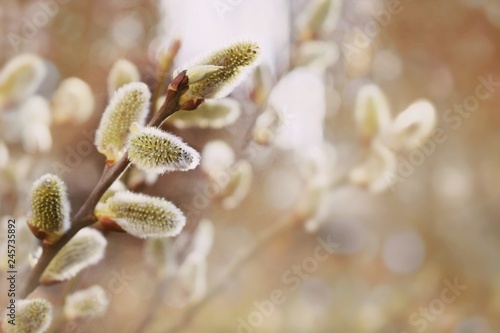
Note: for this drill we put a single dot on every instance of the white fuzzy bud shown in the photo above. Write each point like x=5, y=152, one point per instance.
x=50, y=208
x=235, y=62
x=372, y=113
x=217, y=158
x=211, y=114
x=122, y=73
x=88, y=303
x=143, y=216
x=31, y=316
x=36, y=138
x=35, y=110
x=86, y=248
x=317, y=54
x=128, y=105
x=156, y=151
x=413, y=126
x=20, y=78
x=73, y=101
x=321, y=16
x=198, y=73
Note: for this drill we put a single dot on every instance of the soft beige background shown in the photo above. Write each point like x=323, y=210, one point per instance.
x=443, y=219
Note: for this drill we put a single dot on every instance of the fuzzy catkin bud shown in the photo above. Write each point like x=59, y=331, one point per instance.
x=73, y=101
x=85, y=249
x=32, y=316
x=122, y=72
x=143, y=216
x=128, y=105
x=153, y=150
x=211, y=114
x=198, y=73
x=88, y=303
x=21, y=77
x=235, y=62
x=320, y=16
x=217, y=158
x=413, y=126
x=35, y=110
x=372, y=111
x=50, y=208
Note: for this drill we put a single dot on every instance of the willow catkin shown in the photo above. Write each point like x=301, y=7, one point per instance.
x=50, y=209
x=218, y=73
x=86, y=248
x=156, y=151
x=142, y=215
x=87, y=303
x=32, y=316
x=128, y=105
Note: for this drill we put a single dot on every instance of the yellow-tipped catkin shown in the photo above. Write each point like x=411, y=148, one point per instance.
x=84, y=249
x=73, y=101
x=31, y=316
x=128, y=105
x=235, y=63
x=50, y=208
x=143, y=216
x=319, y=16
x=153, y=150
x=372, y=112
x=21, y=77
x=413, y=126
x=122, y=73
x=211, y=114
x=217, y=157
x=88, y=303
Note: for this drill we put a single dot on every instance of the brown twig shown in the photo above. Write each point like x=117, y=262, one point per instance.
x=85, y=216
x=164, y=67
x=304, y=210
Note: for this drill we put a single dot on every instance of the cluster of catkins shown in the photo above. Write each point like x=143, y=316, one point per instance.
x=122, y=133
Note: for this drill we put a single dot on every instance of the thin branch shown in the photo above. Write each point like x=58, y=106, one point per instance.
x=85, y=216
x=164, y=67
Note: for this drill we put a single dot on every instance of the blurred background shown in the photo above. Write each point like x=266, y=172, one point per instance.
x=414, y=232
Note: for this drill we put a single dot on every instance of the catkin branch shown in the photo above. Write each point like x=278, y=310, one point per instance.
x=85, y=216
